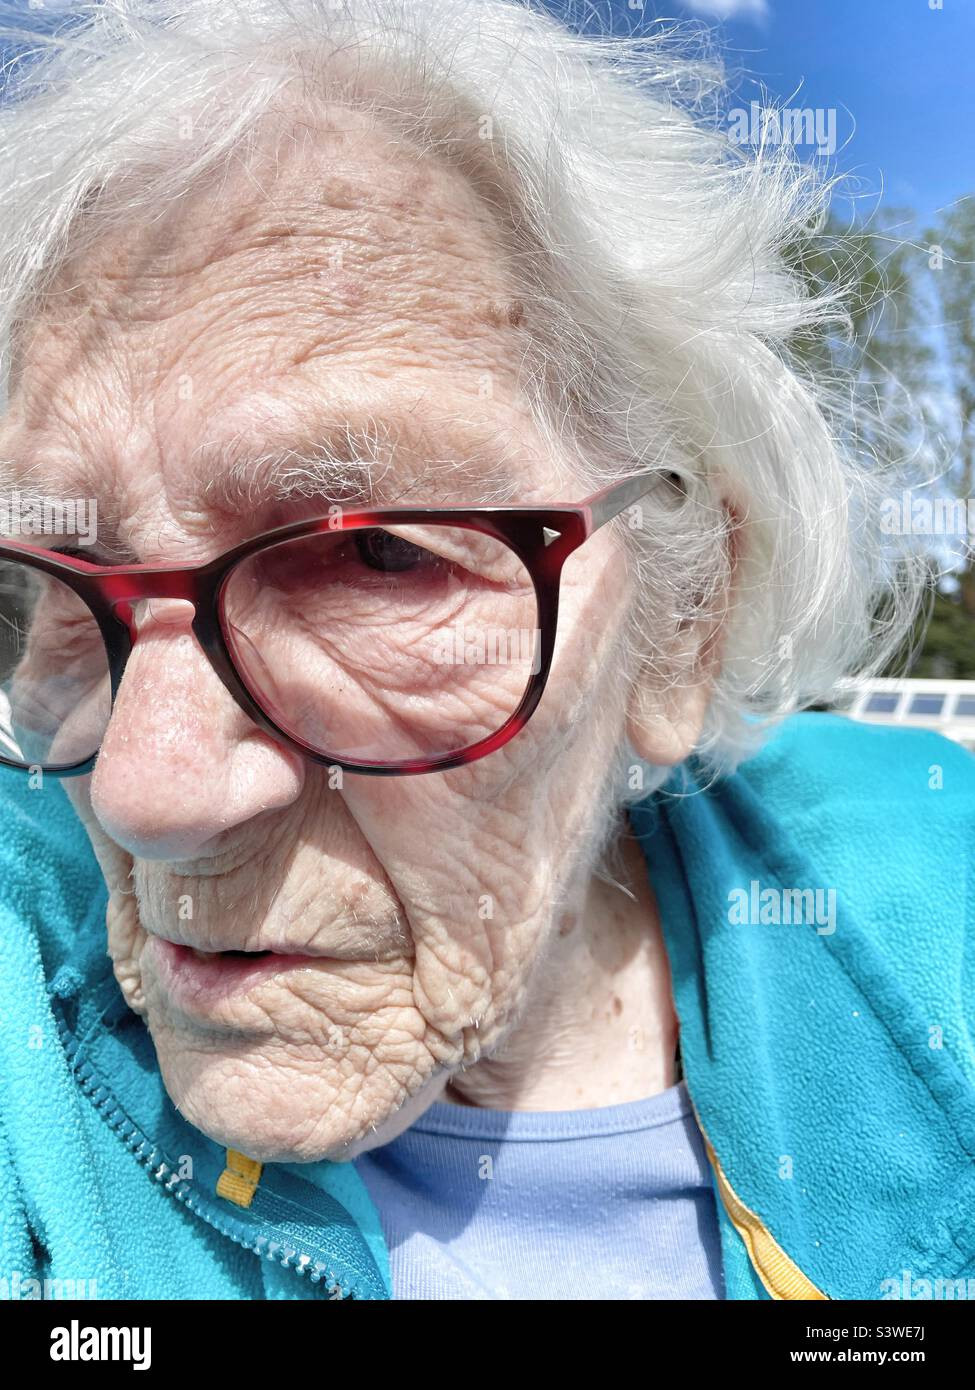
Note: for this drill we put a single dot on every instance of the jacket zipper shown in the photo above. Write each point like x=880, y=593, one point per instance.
x=779, y=1273
x=154, y=1161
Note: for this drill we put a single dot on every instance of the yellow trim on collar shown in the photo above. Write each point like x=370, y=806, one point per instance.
x=781, y=1276
x=238, y=1181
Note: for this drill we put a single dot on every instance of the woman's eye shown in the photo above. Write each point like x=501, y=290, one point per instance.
x=89, y=553
x=381, y=550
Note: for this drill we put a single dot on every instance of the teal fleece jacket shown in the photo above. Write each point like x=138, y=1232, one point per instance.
x=818, y=910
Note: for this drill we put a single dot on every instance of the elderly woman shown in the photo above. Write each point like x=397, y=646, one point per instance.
x=464, y=523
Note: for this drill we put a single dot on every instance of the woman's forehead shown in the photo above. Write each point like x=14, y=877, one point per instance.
x=349, y=260
x=345, y=322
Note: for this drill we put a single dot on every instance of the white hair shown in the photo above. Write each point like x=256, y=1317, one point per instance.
x=658, y=307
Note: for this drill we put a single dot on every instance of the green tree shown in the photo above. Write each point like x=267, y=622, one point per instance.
x=909, y=350
x=873, y=274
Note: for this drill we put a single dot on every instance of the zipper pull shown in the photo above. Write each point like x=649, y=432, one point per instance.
x=238, y=1181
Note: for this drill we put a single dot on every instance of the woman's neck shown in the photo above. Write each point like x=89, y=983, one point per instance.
x=599, y=1026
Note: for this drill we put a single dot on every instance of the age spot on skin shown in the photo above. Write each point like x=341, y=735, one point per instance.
x=504, y=313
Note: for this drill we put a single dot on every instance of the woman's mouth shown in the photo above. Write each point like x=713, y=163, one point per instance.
x=196, y=981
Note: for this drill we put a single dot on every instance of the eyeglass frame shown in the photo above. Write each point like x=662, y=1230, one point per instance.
x=543, y=538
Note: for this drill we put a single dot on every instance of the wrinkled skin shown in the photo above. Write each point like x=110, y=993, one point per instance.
x=385, y=880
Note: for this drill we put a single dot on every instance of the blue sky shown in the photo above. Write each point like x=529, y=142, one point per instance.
x=897, y=74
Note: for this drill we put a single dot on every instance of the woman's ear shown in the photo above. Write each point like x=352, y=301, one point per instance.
x=664, y=725
x=666, y=713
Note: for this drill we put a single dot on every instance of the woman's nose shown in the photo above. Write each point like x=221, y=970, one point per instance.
x=181, y=763
x=164, y=612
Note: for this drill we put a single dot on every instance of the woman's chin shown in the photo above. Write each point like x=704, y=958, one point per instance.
x=290, y=1114
x=275, y=1115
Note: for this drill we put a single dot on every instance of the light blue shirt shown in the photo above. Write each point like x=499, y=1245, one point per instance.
x=612, y=1203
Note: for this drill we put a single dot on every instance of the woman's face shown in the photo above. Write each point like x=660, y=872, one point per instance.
x=349, y=285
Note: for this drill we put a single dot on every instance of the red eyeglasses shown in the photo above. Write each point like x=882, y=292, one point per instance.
x=385, y=642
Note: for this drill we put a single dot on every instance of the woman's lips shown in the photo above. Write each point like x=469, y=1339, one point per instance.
x=197, y=981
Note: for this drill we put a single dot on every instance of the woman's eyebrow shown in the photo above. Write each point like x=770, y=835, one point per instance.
x=40, y=504
x=349, y=466
x=379, y=462
x=33, y=487
x=234, y=475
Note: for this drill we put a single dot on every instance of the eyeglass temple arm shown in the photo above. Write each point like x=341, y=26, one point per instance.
x=610, y=501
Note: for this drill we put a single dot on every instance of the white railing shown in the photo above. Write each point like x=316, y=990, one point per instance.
x=944, y=705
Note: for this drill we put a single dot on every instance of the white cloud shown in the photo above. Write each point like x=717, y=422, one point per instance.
x=730, y=9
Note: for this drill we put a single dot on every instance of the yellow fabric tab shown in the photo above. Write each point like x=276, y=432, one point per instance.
x=781, y=1276
x=238, y=1181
